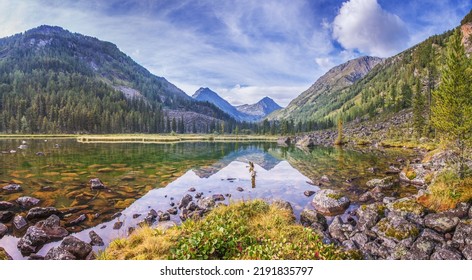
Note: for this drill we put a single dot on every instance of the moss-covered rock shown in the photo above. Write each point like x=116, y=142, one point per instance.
x=396, y=227
x=330, y=202
x=407, y=206
x=4, y=255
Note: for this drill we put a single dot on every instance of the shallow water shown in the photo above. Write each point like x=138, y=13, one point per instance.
x=140, y=177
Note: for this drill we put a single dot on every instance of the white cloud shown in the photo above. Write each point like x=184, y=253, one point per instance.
x=364, y=26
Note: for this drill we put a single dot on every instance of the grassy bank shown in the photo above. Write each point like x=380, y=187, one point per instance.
x=171, y=138
x=244, y=230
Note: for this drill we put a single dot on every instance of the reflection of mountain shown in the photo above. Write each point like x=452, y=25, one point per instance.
x=256, y=154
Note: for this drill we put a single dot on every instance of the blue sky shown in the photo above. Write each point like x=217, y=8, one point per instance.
x=244, y=49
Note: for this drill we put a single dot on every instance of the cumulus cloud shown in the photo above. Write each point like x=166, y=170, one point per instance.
x=364, y=26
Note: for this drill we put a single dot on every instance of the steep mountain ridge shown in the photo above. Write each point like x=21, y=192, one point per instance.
x=337, y=78
x=262, y=108
x=52, y=80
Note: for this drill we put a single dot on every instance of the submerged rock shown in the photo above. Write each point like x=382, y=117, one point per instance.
x=27, y=201
x=19, y=222
x=12, y=188
x=77, y=221
x=96, y=184
x=5, y=216
x=384, y=183
x=41, y=212
x=5, y=205
x=330, y=202
x=309, y=193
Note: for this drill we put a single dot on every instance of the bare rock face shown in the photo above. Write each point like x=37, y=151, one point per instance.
x=466, y=30
x=330, y=202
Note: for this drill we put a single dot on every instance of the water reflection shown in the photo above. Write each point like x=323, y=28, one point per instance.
x=141, y=177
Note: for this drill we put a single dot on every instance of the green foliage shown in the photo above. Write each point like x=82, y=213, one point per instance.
x=244, y=230
x=452, y=108
x=467, y=18
x=339, y=139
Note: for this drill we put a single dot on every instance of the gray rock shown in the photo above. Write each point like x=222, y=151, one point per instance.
x=12, y=188
x=384, y=183
x=441, y=222
x=360, y=239
x=117, y=225
x=470, y=213
x=76, y=247
x=197, y=196
x=467, y=252
x=463, y=234
x=27, y=201
x=330, y=202
x=349, y=245
x=5, y=205
x=282, y=204
x=339, y=230
x=396, y=227
x=446, y=254
x=310, y=216
x=461, y=211
x=325, y=179
x=5, y=216
x=421, y=249
x=41, y=212
x=153, y=213
x=192, y=206
x=377, y=250
x=185, y=201
x=406, y=206
x=308, y=193
x=369, y=215
x=3, y=230
x=95, y=239
x=164, y=217
x=433, y=235
x=218, y=197
x=166, y=225
x=305, y=141
x=206, y=203
x=192, y=189
x=35, y=257
x=77, y=220
x=42, y=232
x=96, y=184
x=172, y=211
x=283, y=141
x=58, y=253
x=19, y=222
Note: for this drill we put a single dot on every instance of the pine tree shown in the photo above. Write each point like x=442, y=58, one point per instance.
x=452, y=106
x=339, y=139
x=419, y=120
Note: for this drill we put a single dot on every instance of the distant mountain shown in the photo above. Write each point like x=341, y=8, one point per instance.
x=261, y=109
x=52, y=80
x=243, y=113
x=207, y=95
x=319, y=94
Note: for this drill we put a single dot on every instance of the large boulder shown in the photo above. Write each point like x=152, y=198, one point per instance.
x=441, y=222
x=396, y=227
x=384, y=183
x=446, y=254
x=421, y=249
x=27, y=201
x=330, y=202
x=41, y=212
x=42, y=232
x=407, y=207
x=461, y=211
x=309, y=216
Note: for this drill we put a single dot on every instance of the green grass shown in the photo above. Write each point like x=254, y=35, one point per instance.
x=244, y=230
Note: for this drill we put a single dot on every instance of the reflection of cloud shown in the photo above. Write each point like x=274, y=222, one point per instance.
x=365, y=26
